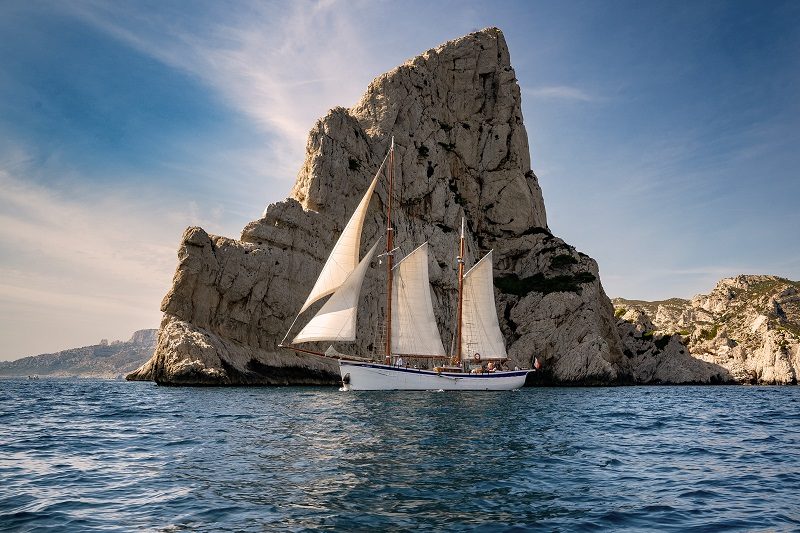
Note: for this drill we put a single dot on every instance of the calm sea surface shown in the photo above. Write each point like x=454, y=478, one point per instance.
x=81, y=455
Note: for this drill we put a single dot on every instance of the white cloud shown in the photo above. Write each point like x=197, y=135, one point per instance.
x=559, y=92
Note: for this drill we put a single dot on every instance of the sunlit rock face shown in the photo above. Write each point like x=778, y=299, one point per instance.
x=461, y=151
x=746, y=330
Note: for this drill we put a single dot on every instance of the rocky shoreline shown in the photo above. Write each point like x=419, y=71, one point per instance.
x=746, y=330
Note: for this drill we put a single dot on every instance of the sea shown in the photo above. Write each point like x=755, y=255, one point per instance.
x=93, y=455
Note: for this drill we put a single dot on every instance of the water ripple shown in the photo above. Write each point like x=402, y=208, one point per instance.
x=115, y=456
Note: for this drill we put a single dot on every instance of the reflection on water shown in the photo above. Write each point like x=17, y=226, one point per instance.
x=112, y=455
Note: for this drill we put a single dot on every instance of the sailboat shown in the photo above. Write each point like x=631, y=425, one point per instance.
x=414, y=357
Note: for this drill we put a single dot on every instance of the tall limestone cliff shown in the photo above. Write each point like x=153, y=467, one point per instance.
x=746, y=330
x=461, y=150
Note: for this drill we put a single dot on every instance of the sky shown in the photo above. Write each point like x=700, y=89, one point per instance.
x=665, y=135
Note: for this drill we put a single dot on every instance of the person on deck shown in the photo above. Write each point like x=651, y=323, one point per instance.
x=490, y=367
x=399, y=362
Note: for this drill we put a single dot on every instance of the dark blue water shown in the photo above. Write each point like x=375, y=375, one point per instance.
x=107, y=455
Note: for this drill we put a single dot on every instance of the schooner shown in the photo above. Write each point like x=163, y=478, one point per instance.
x=411, y=330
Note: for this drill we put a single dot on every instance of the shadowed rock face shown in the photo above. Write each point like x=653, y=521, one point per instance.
x=461, y=150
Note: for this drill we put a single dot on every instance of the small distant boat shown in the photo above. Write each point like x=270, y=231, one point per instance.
x=411, y=333
x=33, y=378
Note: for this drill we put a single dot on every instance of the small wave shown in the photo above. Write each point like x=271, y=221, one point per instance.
x=699, y=494
x=759, y=440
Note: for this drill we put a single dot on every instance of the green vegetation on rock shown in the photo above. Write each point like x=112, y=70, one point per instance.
x=708, y=334
x=513, y=284
x=535, y=230
x=562, y=260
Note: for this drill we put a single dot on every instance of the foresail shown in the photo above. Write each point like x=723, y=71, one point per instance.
x=414, y=329
x=344, y=256
x=480, y=329
x=336, y=320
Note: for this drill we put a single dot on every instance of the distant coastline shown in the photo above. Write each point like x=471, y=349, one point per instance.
x=104, y=360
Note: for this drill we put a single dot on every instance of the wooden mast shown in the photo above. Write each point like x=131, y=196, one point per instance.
x=457, y=359
x=389, y=258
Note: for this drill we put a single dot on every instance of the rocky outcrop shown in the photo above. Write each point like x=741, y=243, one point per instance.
x=746, y=330
x=103, y=360
x=661, y=358
x=461, y=150
x=144, y=337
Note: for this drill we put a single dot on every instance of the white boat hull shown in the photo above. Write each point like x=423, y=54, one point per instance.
x=374, y=376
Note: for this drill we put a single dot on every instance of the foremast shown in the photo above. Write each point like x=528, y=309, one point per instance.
x=389, y=258
x=460, y=312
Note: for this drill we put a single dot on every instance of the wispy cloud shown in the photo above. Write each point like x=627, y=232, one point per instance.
x=560, y=92
x=93, y=261
x=274, y=64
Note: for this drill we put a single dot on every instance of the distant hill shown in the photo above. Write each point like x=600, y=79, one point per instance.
x=104, y=360
x=747, y=330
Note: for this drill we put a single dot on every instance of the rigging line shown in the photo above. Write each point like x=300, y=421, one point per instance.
x=382, y=163
x=289, y=330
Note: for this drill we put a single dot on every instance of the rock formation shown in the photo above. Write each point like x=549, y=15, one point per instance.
x=101, y=360
x=461, y=150
x=747, y=330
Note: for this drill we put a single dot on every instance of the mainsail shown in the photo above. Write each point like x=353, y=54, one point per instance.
x=414, y=330
x=336, y=320
x=344, y=256
x=480, y=331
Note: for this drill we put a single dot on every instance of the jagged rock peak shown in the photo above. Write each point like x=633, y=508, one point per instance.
x=144, y=336
x=455, y=113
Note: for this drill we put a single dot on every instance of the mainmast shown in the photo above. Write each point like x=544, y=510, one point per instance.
x=459, y=315
x=389, y=258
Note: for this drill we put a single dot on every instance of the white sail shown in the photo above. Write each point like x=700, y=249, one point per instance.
x=414, y=329
x=344, y=256
x=480, y=332
x=336, y=320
